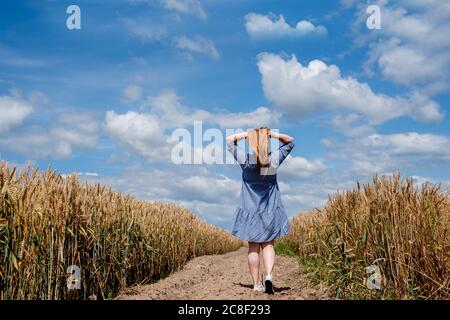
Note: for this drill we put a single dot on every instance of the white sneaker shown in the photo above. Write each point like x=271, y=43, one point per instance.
x=268, y=284
x=258, y=288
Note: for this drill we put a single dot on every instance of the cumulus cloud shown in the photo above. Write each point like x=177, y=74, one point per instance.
x=261, y=116
x=422, y=27
x=381, y=153
x=69, y=132
x=147, y=133
x=141, y=133
x=351, y=125
x=299, y=167
x=168, y=107
x=261, y=26
x=75, y=129
x=400, y=64
x=411, y=143
x=197, y=45
x=13, y=110
x=298, y=90
x=412, y=47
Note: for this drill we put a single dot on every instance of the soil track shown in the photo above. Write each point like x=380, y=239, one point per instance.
x=226, y=277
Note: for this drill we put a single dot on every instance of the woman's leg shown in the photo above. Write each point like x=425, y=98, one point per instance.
x=268, y=253
x=253, y=261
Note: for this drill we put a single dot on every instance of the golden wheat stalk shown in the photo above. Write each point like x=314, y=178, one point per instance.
x=48, y=223
x=392, y=223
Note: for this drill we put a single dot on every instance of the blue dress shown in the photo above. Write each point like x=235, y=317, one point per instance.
x=261, y=216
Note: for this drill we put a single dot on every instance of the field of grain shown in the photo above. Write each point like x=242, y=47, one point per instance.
x=49, y=222
x=390, y=223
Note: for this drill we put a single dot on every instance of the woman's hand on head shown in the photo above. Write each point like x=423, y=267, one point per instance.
x=284, y=138
x=237, y=137
x=273, y=134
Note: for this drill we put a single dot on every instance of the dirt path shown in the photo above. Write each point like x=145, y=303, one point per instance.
x=225, y=277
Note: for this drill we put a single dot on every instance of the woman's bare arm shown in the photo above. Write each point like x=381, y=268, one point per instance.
x=284, y=138
x=236, y=137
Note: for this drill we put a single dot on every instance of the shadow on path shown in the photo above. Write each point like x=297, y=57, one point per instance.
x=276, y=289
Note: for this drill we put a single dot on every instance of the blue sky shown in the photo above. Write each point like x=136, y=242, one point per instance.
x=103, y=100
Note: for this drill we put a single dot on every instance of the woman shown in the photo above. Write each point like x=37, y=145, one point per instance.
x=261, y=217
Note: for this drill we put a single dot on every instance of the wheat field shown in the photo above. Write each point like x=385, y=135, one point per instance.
x=49, y=222
x=401, y=228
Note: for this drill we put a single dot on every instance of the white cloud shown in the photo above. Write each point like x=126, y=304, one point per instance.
x=419, y=181
x=82, y=174
x=298, y=90
x=425, y=27
x=89, y=174
x=352, y=125
x=411, y=143
x=69, y=132
x=132, y=92
x=298, y=167
x=261, y=26
x=307, y=193
x=193, y=7
x=412, y=47
x=144, y=31
x=380, y=153
x=139, y=132
x=168, y=107
x=148, y=133
x=400, y=64
x=76, y=130
x=261, y=116
x=209, y=188
x=198, y=45
x=172, y=113
x=368, y=166
x=13, y=110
